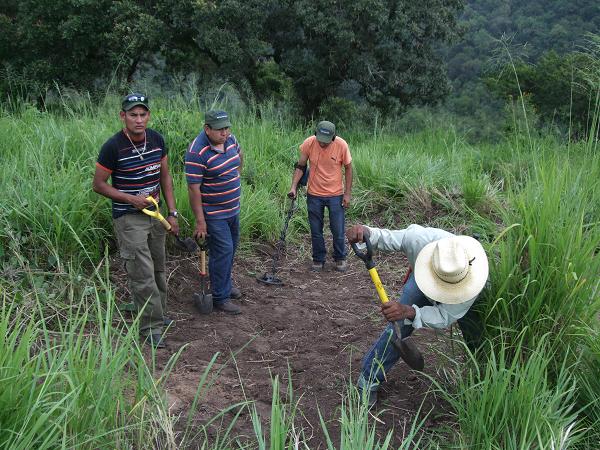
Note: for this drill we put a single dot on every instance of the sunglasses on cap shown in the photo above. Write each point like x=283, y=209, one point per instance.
x=136, y=98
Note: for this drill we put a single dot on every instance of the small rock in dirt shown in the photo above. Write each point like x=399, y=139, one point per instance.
x=340, y=322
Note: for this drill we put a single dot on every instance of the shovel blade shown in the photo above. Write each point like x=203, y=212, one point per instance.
x=409, y=352
x=203, y=303
x=187, y=244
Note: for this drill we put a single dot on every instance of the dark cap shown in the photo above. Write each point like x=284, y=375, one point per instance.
x=217, y=119
x=325, y=132
x=134, y=99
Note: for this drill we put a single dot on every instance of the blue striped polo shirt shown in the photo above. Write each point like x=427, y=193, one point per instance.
x=133, y=169
x=218, y=174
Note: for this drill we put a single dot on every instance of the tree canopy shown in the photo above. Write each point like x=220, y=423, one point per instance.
x=383, y=50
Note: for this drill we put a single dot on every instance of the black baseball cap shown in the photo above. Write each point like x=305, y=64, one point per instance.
x=135, y=99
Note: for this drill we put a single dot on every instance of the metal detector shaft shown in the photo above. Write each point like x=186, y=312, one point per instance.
x=283, y=234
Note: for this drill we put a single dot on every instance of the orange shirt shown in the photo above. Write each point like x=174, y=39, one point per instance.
x=325, y=175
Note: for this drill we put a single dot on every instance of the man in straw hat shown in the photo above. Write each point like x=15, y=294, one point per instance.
x=448, y=273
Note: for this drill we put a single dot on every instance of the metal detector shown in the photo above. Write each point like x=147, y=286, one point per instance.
x=270, y=278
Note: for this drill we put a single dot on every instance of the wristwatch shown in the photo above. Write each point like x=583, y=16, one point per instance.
x=173, y=214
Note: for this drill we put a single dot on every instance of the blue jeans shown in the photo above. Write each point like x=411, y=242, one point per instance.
x=224, y=235
x=383, y=354
x=337, y=222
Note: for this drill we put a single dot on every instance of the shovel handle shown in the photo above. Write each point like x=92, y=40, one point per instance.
x=202, y=262
x=383, y=297
x=156, y=213
x=367, y=257
x=378, y=286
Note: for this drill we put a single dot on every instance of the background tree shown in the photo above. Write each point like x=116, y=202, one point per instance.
x=386, y=49
x=557, y=88
x=74, y=43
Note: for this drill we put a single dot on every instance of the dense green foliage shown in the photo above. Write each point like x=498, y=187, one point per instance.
x=388, y=55
x=496, y=32
x=563, y=91
x=533, y=28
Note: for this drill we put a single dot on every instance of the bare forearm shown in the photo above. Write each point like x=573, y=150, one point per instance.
x=296, y=178
x=196, y=202
x=166, y=184
x=105, y=189
x=348, y=179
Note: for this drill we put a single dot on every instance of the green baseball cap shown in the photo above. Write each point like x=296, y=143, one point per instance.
x=325, y=132
x=217, y=119
x=134, y=99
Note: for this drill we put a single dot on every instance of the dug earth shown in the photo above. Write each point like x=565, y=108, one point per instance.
x=315, y=328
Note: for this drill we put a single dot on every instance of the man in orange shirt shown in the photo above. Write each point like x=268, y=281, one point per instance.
x=327, y=155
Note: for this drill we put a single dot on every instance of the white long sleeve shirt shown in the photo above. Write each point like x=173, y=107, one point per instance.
x=411, y=241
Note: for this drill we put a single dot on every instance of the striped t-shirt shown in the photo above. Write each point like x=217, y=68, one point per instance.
x=218, y=174
x=133, y=170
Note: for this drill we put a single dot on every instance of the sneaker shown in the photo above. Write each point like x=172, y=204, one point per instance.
x=341, y=265
x=410, y=354
x=168, y=322
x=235, y=293
x=317, y=266
x=156, y=340
x=228, y=307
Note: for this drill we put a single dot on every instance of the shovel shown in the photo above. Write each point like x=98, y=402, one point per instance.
x=187, y=244
x=203, y=301
x=401, y=346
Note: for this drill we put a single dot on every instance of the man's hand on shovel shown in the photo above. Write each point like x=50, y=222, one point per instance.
x=171, y=226
x=394, y=311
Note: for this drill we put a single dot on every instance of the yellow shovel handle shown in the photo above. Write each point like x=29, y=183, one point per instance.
x=383, y=297
x=156, y=214
x=377, y=282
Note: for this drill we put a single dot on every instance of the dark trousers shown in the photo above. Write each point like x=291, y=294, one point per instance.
x=224, y=235
x=316, y=214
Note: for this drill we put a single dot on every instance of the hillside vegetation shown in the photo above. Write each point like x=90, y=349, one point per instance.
x=534, y=201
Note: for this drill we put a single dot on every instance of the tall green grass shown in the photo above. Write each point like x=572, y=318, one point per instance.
x=505, y=403
x=535, y=202
x=82, y=384
x=544, y=267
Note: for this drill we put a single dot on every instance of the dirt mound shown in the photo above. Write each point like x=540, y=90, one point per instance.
x=316, y=328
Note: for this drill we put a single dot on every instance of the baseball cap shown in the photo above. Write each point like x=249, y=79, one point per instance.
x=325, y=132
x=134, y=99
x=217, y=119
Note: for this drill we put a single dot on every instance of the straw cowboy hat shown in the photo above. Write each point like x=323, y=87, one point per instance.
x=452, y=270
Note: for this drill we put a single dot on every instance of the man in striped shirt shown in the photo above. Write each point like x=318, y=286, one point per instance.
x=136, y=160
x=212, y=168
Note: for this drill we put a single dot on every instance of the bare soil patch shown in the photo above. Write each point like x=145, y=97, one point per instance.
x=316, y=328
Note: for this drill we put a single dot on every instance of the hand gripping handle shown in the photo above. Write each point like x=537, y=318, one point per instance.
x=156, y=213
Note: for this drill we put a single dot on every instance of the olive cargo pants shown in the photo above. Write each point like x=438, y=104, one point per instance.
x=142, y=247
